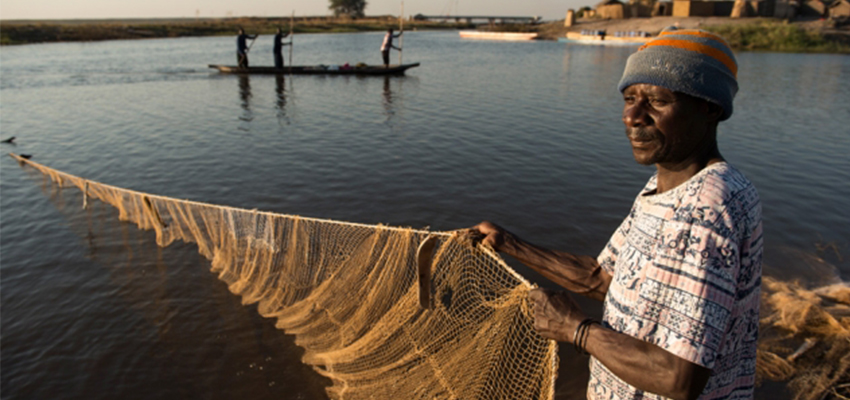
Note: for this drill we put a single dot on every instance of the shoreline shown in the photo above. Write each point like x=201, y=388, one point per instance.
x=21, y=32
x=743, y=34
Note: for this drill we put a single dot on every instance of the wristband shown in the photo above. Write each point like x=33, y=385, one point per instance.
x=580, y=336
x=577, y=336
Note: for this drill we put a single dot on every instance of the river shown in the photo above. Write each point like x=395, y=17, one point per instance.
x=524, y=134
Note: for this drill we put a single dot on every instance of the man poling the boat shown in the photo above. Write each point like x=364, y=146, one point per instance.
x=387, y=45
x=242, y=48
x=278, y=47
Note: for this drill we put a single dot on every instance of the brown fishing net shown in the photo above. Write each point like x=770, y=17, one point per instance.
x=805, y=339
x=349, y=294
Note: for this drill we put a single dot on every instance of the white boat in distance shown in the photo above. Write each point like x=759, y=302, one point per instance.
x=512, y=36
x=607, y=40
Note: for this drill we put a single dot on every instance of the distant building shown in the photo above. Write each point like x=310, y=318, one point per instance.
x=786, y=9
x=699, y=8
x=662, y=9
x=839, y=9
x=813, y=8
x=639, y=9
x=570, y=20
x=611, y=9
x=745, y=8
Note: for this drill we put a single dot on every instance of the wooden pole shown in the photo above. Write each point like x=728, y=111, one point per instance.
x=291, y=31
x=401, y=33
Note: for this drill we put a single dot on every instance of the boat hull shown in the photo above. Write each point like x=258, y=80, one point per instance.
x=609, y=40
x=316, y=70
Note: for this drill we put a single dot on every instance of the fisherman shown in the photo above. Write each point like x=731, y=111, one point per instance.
x=680, y=277
x=242, y=48
x=278, y=47
x=387, y=45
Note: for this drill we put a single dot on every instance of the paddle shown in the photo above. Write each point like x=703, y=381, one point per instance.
x=291, y=25
x=401, y=32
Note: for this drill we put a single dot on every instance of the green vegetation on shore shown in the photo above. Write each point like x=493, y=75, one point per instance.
x=26, y=32
x=778, y=36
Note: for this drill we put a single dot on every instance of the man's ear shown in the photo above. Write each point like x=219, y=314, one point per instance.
x=714, y=111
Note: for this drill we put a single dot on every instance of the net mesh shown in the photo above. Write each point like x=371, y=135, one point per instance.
x=349, y=294
x=805, y=339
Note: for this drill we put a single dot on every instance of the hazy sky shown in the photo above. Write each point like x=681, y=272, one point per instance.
x=76, y=9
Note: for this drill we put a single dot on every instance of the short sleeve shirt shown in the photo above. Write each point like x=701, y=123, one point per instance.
x=686, y=268
x=388, y=42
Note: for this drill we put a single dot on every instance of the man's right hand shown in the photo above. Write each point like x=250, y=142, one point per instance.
x=491, y=234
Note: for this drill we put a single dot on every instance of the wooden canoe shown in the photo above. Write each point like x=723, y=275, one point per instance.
x=317, y=70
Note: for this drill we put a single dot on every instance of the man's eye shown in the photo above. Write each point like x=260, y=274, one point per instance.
x=629, y=99
x=659, y=102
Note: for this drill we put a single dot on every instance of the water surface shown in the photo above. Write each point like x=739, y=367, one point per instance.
x=525, y=134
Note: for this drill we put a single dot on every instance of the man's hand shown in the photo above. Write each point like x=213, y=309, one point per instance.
x=556, y=315
x=491, y=234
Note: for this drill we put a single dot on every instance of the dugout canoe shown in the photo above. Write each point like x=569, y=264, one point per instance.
x=317, y=70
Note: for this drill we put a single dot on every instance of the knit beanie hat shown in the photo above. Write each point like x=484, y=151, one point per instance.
x=689, y=61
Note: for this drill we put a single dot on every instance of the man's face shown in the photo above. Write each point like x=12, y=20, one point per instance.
x=665, y=126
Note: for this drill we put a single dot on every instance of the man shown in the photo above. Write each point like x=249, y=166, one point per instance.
x=387, y=45
x=680, y=277
x=278, y=48
x=242, y=48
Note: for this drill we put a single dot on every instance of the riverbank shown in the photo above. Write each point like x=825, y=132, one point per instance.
x=34, y=31
x=748, y=34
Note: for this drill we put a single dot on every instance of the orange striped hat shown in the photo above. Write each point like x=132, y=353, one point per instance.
x=689, y=61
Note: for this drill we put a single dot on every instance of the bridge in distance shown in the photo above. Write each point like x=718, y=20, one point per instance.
x=479, y=18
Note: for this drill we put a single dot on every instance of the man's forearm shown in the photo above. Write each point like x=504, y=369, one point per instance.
x=646, y=366
x=578, y=274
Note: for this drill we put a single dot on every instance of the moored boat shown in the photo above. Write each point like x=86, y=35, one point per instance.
x=596, y=38
x=318, y=69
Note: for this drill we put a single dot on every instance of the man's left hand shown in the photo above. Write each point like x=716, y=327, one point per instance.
x=556, y=314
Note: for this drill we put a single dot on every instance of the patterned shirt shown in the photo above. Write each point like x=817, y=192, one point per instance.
x=686, y=267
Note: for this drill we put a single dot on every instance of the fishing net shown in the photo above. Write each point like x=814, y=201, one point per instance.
x=805, y=338
x=350, y=295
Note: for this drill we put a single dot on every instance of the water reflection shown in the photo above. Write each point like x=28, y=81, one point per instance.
x=178, y=323
x=280, y=87
x=245, y=96
x=280, y=98
x=389, y=110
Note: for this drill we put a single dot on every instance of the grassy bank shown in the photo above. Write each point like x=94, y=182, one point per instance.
x=26, y=32
x=781, y=37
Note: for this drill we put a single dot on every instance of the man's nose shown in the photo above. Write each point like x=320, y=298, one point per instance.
x=635, y=115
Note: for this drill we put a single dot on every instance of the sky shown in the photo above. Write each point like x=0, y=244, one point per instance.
x=98, y=9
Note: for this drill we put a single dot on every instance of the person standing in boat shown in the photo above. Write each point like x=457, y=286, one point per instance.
x=387, y=45
x=680, y=278
x=278, y=48
x=242, y=48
